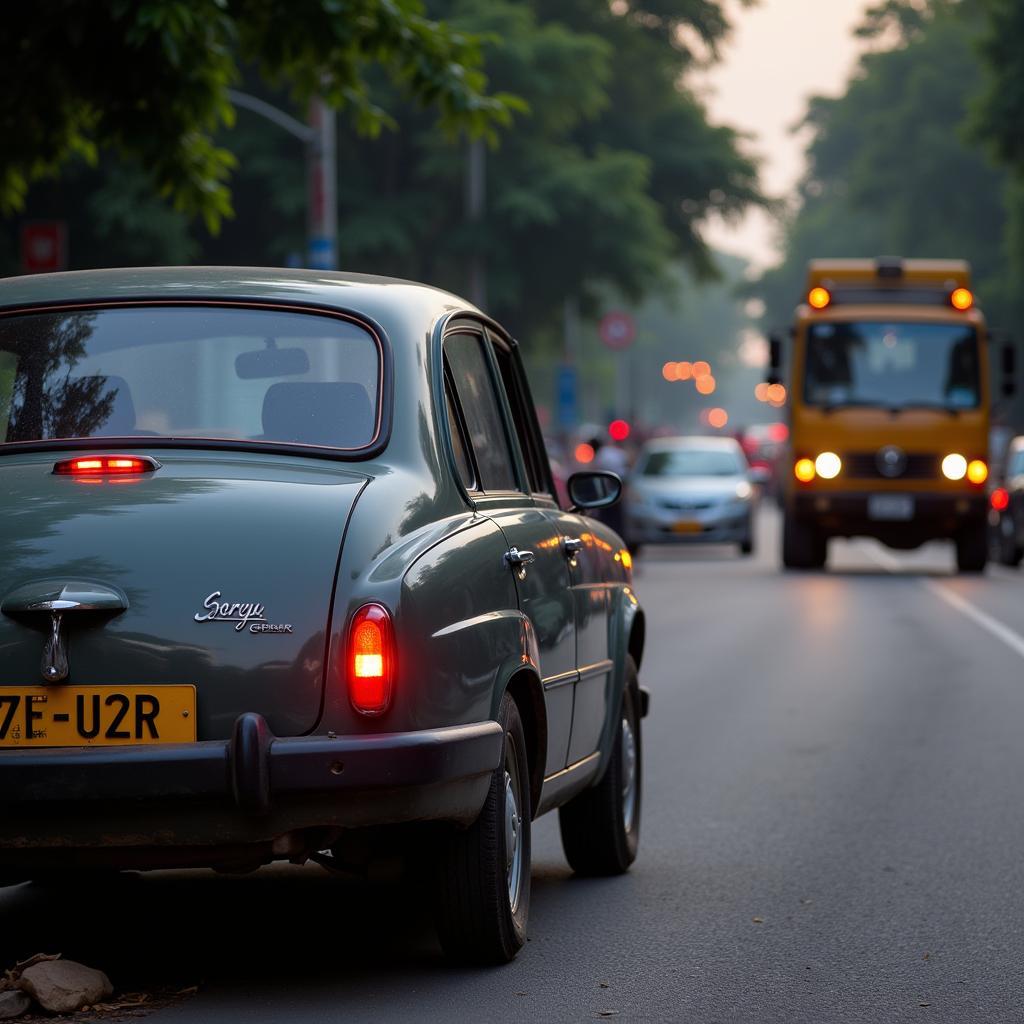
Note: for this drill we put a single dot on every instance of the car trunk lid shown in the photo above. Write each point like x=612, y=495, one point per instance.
x=227, y=564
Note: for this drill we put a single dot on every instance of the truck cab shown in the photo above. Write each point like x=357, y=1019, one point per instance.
x=889, y=406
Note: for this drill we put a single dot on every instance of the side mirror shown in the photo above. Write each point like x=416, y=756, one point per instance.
x=1009, y=361
x=594, y=489
x=774, y=375
x=760, y=475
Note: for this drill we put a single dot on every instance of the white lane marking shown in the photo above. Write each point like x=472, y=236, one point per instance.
x=998, y=629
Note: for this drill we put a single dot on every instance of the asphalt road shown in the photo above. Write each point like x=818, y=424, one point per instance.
x=833, y=831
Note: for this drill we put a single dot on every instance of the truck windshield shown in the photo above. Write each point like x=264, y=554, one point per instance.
x=892, y=364
x=224, y=373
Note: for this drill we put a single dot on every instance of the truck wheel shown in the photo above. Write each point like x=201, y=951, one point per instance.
x=483, y=895
x=972, y=549
x=802, y=546
x=601, y=826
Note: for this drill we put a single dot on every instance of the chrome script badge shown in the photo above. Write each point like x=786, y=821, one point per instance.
x=244, y=614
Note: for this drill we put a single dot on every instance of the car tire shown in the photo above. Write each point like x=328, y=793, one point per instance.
x=483, y=890
x=746, y=545
x=972, y=549
x=803, y=547
x=601, y=826
x=1008, y=551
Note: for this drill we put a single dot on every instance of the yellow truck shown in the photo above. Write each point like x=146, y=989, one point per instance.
x=889, y=400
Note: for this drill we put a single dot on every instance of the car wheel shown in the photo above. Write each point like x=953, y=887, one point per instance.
x=601, y=826
x=972, y=549
x=746, y=545
x=483, y=895
x=1009, y=551
x=802, y=546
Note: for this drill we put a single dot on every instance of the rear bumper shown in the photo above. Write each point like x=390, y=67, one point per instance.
x=717, y=527
x=253, y=788
x=935, y=516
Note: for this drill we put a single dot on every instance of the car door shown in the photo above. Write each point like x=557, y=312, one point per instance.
x=534, y=555
x=586, y=553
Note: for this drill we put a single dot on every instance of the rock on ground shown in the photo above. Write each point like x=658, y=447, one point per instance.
x=13, y=1004
x=63, y=986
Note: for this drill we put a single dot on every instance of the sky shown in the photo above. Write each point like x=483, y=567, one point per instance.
x=781, y=52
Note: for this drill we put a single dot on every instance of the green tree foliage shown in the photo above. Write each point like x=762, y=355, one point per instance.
x=148, y=79
x=999, y=115
x=891, y=169
x=607, y=180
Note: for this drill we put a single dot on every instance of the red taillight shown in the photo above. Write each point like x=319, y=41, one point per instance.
x=371, y=659
x=1000, y=499
x=105, y=465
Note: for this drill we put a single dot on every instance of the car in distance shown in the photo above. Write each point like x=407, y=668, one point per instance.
x=690, y=490
x=282, y=576
x=1007, y=508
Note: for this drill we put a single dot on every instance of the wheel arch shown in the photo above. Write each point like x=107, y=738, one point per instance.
x=525, y=688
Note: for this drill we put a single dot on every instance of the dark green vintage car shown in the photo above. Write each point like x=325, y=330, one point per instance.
x=282, y=576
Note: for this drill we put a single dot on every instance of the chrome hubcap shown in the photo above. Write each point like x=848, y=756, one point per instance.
x=513, y=843
x=629, y=779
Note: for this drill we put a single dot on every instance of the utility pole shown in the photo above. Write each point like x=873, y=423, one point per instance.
x=476, y=196
x=323, y=189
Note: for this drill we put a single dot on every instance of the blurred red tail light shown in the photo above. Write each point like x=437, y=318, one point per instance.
x=371, y=660
x=1000, y=499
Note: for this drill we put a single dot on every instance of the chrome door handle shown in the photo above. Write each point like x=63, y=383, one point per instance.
x=518, y=559
x=572, y=546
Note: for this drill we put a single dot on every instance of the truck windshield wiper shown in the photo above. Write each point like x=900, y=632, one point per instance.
x=850, y=403
x=937, y=406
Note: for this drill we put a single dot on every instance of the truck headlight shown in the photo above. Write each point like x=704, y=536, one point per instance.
x=954, y=466
x=827, y=465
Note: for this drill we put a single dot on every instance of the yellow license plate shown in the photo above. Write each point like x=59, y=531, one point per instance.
x=687, y=527
x=96, y=716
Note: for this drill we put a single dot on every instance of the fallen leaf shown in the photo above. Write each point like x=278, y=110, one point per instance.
x=927, y=956
x=924, y=1004
x=607, y=1013
x=758, y=920
x=603, y=984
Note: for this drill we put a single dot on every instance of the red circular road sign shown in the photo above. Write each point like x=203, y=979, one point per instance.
x=617, y=329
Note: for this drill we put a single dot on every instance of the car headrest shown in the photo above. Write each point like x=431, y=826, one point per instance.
x=121, y=419
x=334, y=413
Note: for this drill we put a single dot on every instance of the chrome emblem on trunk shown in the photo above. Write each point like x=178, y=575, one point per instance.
x=249, y=615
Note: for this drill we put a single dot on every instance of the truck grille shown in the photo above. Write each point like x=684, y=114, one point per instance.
x=864, y=466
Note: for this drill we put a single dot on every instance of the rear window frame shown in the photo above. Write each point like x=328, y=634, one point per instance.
x=385, y=383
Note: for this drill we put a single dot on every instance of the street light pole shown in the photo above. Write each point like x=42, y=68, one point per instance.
x=320, y=139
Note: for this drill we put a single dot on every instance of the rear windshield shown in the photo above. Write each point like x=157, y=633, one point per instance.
x=694, y=462
x=189, y=372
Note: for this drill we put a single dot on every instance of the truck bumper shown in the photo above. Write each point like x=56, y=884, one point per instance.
x=171, y=804
x=935, y=516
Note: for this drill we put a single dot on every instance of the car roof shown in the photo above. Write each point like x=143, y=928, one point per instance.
x=699, y=442
x=380, y=298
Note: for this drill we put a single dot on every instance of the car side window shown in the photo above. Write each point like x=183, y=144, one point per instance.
x=478, y=399
x=524, y=419
x=1018, y=464
x=455, y=428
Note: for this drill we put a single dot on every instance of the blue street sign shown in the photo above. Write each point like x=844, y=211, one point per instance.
x=567, y=388
x=321, y=254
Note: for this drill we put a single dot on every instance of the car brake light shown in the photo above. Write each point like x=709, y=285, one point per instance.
x=1000, y=499
x=371, y=660
x=106, y=465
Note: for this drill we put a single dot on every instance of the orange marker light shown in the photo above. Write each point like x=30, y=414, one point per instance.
x=1000, y=499
x=371, y=660
x=705, y=385
x=701, y=369
x=961, y=298
x=819, y=298
x=804, y=470
x=717, y=418
x=670, y=371
x=977, y=471
x=684, y=370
